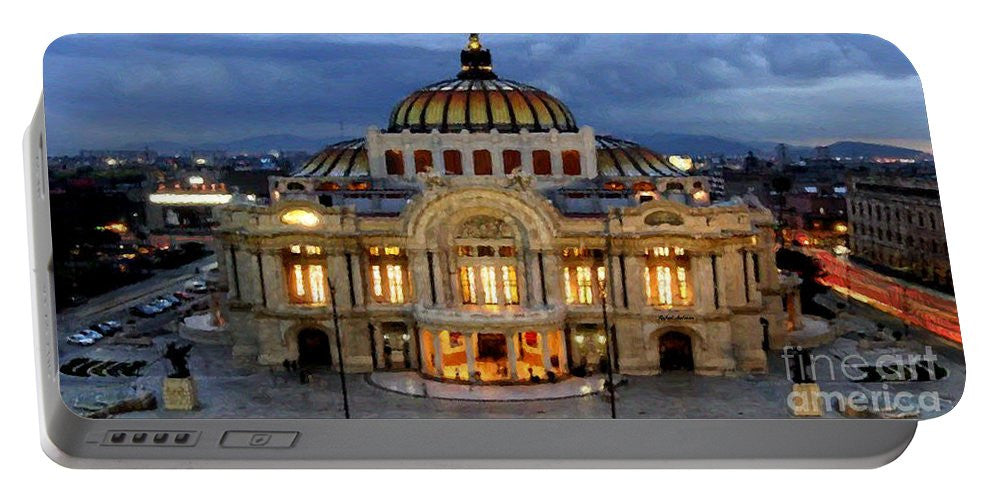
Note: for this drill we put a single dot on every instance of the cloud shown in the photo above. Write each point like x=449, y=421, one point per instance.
x=103, y=91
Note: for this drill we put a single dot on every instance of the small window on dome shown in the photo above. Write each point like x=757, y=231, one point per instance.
x=570, y=162
x=422, y=160
x=542, y=162
x=394, y=162
x=511, y=160
x=482, y=164
x=453, y=162
x=295, y=186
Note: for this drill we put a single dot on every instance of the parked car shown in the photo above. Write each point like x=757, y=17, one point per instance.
x=197, y=286
x=170, y=299
x=114, y=325
x=161, y=304
x=183, y=295
x=93, y=334
x=79, y=339
x=145, y=310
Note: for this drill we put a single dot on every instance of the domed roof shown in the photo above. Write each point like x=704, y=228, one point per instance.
x=618, y=157
x=342, y=159
x=478, y=101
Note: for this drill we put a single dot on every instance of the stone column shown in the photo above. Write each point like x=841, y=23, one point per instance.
x=409, y=167
x=420, y=276
x=442, y=285
x=511, y=339
x=338, y=272
x=524, y=281
x=358, y=277
x=496, y=157
x=732, y=276
x=753, y=288
x=275, y=282
x=470, y=354
x=616, y=284
x=546, y=357
x=556, y=161
x=377, y=340
x=635, y=271
x=703, y=282
x=553, y=281
x=534, y=278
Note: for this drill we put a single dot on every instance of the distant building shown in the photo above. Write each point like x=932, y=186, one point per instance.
x=896, y=223
x=782, y=157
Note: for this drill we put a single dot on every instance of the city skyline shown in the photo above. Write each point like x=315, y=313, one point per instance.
x=800, y=89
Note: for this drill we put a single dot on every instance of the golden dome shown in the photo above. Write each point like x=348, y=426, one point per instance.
x=618, y=157
x=342, y=159
x=478, y=101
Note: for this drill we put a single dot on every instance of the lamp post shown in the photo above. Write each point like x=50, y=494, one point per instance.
x=337, y=343
x=601, y=279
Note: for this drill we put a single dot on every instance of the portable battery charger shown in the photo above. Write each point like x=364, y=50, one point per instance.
x=689, y=251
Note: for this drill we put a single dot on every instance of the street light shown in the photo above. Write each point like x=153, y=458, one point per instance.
x=337, y=342
x=601, y=279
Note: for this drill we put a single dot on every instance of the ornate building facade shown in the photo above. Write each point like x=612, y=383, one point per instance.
x=481, y=236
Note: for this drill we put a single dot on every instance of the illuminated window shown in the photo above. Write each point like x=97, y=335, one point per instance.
x=577, y=274
x=488, y=277
x=510, y=285
x=394, y=274
x=584, y=283
x=306, y=275
x=667, y=277
x=468, y=278
x=300, y=217
x=388, y=274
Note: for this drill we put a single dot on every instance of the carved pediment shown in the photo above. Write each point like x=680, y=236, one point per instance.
x=663, y=217
x=485, y=227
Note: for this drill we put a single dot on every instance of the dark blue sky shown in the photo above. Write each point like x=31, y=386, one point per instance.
x=105, y=91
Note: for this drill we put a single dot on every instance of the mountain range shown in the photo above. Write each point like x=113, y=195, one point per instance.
x=688, y=144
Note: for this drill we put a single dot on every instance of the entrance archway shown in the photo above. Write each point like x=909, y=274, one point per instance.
x=675, y=352
x=314, y=348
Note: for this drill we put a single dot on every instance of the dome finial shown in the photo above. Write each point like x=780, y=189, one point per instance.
x=476, y=61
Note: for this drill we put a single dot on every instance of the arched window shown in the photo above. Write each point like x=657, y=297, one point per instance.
x=542, y=161
x=453, y=162
x=295, y=186
x=305, y=269
x=394, y=162
x=511, y=160
x=422, y=160
x=487, y=263
x=482, y=164
x=570, y=162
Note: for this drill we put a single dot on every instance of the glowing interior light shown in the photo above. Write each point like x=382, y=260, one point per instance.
x=394, y=274
x=195, y=180
x=510, y=284
x=488, y=278
x=298, y=280
x=569, y=299
x=189, y=198
x=377, y=281
x=299, y=217
x=584, y=282
x=316, y=283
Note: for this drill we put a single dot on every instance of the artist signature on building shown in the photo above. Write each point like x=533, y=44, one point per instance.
x=676, y=317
